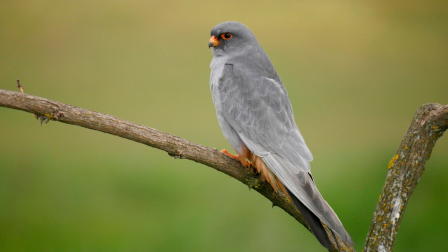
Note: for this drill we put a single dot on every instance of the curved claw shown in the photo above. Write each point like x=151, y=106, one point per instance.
x=242, y=159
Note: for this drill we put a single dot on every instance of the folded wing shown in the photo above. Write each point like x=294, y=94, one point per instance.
x=257, y=106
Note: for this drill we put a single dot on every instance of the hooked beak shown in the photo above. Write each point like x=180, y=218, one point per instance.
x=213, y=42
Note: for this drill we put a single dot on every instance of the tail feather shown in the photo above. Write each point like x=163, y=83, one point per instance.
x=313, y=222
x=307, y=198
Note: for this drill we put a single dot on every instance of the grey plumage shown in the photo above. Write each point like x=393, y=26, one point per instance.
x=254, y=110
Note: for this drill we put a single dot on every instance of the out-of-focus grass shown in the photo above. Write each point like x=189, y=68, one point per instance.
x=355, y=71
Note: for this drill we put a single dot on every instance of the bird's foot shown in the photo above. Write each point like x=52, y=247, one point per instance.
x=237, y=157
x=242, y=159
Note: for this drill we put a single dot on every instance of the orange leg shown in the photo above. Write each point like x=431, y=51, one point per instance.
x=241, y=158
x=260, y=167
x=224, y=151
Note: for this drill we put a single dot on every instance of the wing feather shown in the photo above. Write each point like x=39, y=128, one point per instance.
x=256, y=105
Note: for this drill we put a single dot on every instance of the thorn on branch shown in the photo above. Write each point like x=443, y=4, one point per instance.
x=19, y=86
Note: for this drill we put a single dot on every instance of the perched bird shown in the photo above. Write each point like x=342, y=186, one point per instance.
x=255, y=115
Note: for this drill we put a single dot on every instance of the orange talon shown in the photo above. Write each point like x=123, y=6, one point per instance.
x=242, y=159
x=237, y=157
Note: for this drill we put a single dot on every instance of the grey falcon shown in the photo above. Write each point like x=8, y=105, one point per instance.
x=256, y=117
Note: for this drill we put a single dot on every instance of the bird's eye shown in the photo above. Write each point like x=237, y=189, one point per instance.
x=226, y=36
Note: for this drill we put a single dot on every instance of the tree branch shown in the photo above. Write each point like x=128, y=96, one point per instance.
x=175, y=146
x=405, y=170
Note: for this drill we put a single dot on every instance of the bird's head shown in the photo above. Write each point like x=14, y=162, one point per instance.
x=230, y=38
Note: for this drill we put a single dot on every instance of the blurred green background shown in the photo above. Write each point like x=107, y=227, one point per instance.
x=356, y=71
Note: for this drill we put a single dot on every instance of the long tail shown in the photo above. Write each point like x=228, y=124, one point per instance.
x=308, y=200
x=313, y=222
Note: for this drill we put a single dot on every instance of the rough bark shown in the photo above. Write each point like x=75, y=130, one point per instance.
x=405, y=170
x=177, y=147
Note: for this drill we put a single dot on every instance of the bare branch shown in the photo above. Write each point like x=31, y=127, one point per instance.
x=177, y=147
x=405, y=170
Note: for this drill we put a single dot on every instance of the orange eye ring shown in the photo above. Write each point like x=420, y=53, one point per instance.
x=226, y=36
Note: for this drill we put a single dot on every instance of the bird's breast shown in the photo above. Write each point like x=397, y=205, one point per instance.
x=217, y=67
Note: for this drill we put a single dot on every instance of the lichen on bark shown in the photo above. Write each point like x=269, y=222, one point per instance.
x=405, y=170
